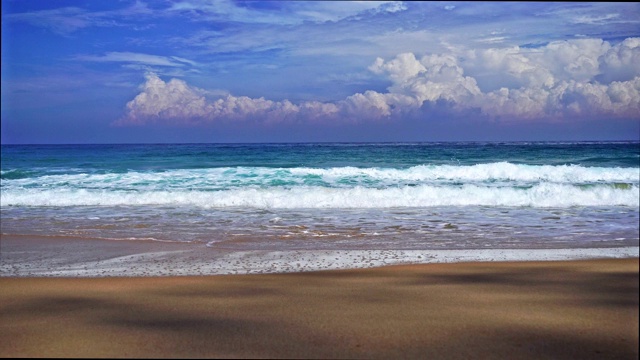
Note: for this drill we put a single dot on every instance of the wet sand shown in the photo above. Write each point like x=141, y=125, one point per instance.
x=60, y=256
x=586, y=309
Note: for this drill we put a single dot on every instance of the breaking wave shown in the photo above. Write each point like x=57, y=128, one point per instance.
x=494, y=184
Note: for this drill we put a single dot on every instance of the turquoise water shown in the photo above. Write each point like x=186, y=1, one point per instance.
x=328, y=196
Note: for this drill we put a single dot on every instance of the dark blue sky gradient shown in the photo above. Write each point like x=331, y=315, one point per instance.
x=249, y=71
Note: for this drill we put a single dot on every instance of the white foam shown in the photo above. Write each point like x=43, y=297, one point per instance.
x=541, y=195
x=499, y=184
x=501, y=171
x=197, y=262
x=229, y=178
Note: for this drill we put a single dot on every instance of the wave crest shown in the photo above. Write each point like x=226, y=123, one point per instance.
x=541, y=195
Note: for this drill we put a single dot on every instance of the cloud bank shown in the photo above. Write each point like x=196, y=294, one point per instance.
x=572, y=79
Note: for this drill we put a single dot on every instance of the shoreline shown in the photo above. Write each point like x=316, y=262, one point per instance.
x=40, y=256
x=585, y=309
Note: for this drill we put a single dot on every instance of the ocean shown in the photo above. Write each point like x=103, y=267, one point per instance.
x=328, y=196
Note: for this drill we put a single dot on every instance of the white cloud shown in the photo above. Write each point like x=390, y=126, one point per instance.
x=183, y=60
x=159, y=100
x=175, y=102
x=138, y=58
x=62, y=20
x=621, y=62
x=575, y=59
x=69, y=19
x=393, y=6
x=432, y=78
x=566, y=79
x=403, y=67
x=492, y=40
x=595, y=19
x=284, y=13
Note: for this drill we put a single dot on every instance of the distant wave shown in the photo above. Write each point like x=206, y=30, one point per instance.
x=233, y=177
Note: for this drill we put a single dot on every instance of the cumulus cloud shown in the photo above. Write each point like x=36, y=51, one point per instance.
x=175, y=102
x=621, y=62
x=584, y=77
x=564, y=79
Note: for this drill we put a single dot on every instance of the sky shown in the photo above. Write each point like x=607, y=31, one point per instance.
x=194, y=71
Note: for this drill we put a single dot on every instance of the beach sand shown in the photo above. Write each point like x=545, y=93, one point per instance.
x=585, y=309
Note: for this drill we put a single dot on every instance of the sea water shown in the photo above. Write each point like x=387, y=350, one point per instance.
x=328, y=196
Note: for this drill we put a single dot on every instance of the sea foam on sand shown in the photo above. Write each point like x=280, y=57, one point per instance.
x=183, y=261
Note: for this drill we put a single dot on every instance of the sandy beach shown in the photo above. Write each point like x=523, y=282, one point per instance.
x=586, y=309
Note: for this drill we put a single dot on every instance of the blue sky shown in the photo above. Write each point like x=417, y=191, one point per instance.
x=267, y=71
